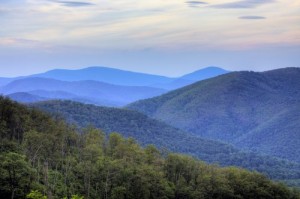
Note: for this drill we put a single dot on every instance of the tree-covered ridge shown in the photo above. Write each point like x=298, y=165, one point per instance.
x=149, y=131
x=41, y=156
x=251, y=110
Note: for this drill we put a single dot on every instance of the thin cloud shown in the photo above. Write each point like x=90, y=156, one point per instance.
x=252, y=17
x=18, y=41
x=244, y=4
x=195, y=3
x=75, y=3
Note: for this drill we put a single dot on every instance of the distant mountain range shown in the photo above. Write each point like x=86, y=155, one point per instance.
x=107, y=75
x=97, y=85
x=25, y=97
x=86, y=91
x=190, y=78
x=251, y=110
x=150, y=131
x=4, y=80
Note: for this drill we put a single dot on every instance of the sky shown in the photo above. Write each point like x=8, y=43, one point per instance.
x=166, y=37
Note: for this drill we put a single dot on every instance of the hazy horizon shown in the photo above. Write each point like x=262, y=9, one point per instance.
x=166, y=75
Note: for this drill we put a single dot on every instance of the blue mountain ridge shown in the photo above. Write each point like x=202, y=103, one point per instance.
x=97, y=85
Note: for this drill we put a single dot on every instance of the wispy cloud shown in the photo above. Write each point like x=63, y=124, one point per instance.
x=3, y=11
x=74, y=3
x=54, y=30
x=149, y=24
x=252, y=17
x=244, y=4
x=18, y=41
x=195, y=3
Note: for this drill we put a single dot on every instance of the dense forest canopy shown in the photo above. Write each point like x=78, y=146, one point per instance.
x=257, y=111
x=42, y=157
x=147, y=131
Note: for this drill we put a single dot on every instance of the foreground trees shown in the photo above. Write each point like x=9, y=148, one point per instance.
x=44, y=158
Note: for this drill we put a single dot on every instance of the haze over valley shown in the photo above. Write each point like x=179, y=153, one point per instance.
x=97, y=85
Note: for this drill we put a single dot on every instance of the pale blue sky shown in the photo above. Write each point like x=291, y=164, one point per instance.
x=168, y=37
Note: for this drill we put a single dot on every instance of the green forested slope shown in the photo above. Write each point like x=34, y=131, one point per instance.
x=257, y=111
x=43, y=156
x=149, y=131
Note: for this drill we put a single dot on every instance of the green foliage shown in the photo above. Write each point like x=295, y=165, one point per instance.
x=256, y=111
x=36, y=195
x=56, y=161
x=75, y=197
x=15, y=174
x=149, y=131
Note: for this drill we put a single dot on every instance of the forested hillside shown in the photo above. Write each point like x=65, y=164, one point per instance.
x=149, y=131
x=257, y=111
x=44, y=156
x=23, y=97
